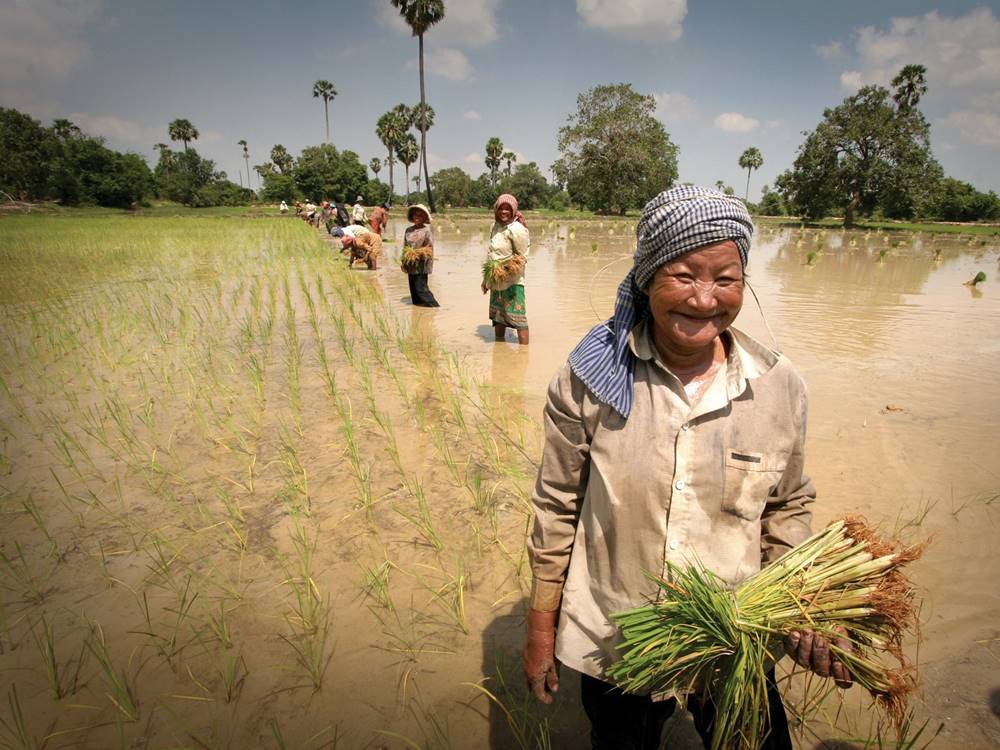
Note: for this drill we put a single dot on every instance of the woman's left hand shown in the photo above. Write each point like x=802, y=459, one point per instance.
x=812, y=651
x=483, y=287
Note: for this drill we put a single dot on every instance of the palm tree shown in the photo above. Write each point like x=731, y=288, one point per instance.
x=407, y=151
x=182, y=130
x=750, y=160
x=281, y=157
x=494, y=153
x=246, y=157
x=325, y=89
x=390, y=129
x=910, y=84
x=375, y=165
x=420, y=15
x=166, y=156
x=422, y=116
x=509, y=157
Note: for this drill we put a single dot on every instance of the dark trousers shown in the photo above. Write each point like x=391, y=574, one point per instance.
x=619, y=721
x=419, y=293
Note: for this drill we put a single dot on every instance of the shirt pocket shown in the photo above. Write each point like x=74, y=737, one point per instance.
x=749, y=478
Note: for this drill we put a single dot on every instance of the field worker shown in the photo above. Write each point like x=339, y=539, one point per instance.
x=283, y=207
x=341, y=217
x=419, y=235
x=363, y=244
x=509, y=243
x=379, y=218
x=358, y=212
x=669, y=436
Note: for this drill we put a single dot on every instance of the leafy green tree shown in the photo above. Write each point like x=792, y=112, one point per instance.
x=282, y=159
x=375, y=165
x=529, y=186
x=182, y=130
x=278, y=186
x=750, y=160
x=453, y=186
x=868, y=153
x=510, y=157
x=326, y=91
x=484, y=191
x=771, y=203
x=323, y=172
x=614, y=153
x=494, y=155
x=26, y=148
x=421, y=15
x=407, y=151
x=960, y=201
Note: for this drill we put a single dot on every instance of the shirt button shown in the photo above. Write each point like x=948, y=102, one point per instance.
x=673, y=544
x=686, y=425
x=679, y=484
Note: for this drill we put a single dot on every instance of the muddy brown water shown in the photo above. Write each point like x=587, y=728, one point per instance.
x=900, y=359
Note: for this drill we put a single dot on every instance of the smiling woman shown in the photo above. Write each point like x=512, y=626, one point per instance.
x=669, y=436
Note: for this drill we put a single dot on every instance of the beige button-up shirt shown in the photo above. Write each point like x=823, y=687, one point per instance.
x=720, y=481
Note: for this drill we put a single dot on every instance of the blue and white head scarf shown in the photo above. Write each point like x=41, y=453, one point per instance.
x=675, y=222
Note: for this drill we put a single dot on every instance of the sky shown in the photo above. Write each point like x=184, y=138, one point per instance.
x=725, y=75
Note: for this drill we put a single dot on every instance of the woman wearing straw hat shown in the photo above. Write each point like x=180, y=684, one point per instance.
x=419, y=240
x=670, y=437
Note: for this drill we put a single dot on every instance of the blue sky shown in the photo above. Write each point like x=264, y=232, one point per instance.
x=726, y=75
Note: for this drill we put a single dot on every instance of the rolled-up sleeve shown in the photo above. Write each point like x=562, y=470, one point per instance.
x=786, y=521
x=559, y=489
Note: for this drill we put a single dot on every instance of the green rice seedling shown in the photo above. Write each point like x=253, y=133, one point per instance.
x=219, y=627
x=450, y=597
x=421, y=519
x=297, y=478
x=524, y=717
x=32, y=510
x=311, y=645
x=233, y=673
x=810, y=257
x=457, y=473
x=593, y=248
x=22, y=579
x=376, y=583
x=391, y=446
x=120, y=691
x=167, y=643
x=63, y=679
x=16, y=729
x=979, y=278
x=699, y=635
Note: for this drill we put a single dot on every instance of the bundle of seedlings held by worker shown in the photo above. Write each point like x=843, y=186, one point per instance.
x=499, y=274
x=702, y=637
x=412, y=257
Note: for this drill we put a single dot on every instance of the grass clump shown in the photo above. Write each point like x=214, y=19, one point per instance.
x=702, y=637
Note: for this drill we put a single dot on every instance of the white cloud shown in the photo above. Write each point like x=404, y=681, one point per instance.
x=469, y=23
x=773, y=124
x=734, y=122
x=960, y=51
x=852, y=80
x=42, y=43
x=830, y=51
x=446, y=62
x=644, y=20
x=473, y=158
x=978, y=126
x=673, y=107
x=472, y=116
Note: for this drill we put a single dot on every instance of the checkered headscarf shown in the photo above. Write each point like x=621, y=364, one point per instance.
x=675, y=222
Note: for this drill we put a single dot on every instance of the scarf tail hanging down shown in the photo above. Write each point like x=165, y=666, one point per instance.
x=675, y=222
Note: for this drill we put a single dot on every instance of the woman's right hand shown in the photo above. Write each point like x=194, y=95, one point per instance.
x=538, y=658
x=482, y=285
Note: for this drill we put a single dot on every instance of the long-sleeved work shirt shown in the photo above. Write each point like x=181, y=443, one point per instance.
x=720, y=481
x=507, y=240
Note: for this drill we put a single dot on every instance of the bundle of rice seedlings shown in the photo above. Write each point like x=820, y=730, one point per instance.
x=701, y=636
x=498, y=274
x=412, y=257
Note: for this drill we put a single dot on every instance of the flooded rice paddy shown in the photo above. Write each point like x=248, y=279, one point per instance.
x=251, y=498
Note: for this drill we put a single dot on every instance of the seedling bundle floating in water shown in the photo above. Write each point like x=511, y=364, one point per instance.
x=702, y=637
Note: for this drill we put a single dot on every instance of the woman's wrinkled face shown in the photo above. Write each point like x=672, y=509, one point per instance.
x=504, y=213
x=418, y=217
x=696, y=297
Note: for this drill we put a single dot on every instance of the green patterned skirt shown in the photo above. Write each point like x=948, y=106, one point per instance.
x=507, y=307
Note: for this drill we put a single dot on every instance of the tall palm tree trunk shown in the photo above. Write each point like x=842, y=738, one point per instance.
x=326, y=111
x=392, y=188
x=746, y=195
x=423, y=131
x=247, y=160
x=408, y=184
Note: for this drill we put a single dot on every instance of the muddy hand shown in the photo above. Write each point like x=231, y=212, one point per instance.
x=812, y=651
x=538, y=658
